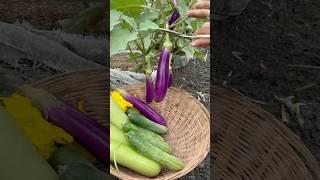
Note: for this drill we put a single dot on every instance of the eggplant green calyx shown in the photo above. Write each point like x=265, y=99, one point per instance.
x=167, y=44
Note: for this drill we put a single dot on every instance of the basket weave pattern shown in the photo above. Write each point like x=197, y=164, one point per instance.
x=252, y=144
x=187, y=118
x=188, y=131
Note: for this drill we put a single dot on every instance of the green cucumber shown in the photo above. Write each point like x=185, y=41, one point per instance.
x=128, y=157
x=129, y=126
x=118, y=135
x=145, y=123
x=147, y=149
x=132, y=110
x=159, y=144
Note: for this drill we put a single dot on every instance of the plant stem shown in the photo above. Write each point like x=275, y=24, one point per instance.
x=142, y=42
x=181, y=20
x=133, y=56
x=121, y=7
x=162, y=13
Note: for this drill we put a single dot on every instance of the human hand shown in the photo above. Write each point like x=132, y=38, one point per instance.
x=200, y=10
x=202, y=42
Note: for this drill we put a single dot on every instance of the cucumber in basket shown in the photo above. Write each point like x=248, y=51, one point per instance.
x=145, y=123
x=159, y=144
x=126, y=156
x=19, y=159
x=147, y=149
x=118, y=135
x=129, y=126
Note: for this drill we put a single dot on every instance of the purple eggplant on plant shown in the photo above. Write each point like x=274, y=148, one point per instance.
x=175, y=15
x=149, y=83
x=149, y=89
x=162, y=75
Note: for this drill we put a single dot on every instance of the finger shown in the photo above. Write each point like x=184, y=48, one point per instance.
x=199, y=13
x=201, y=43
x=204, y=29
x=201, y=5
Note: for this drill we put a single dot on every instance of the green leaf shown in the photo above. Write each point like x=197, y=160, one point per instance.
x=149, y=15
x=114, y=18
x=130, y=21
x=189, y=51
x=181, y=42
x=183, y=8
x=127, y=6
x=199, y=55
x=147, y=25
x=147, y=41
x=119, y=40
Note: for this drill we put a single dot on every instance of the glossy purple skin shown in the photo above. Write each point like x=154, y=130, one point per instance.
x=175, y=15
x=162, y=75
x=92, y=137
x=170, y=80
x=90, y=122
x=146, y=110
x=149, y=90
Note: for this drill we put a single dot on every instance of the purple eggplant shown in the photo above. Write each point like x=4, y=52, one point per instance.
x=143, y=108
x=86, y=131
x=162, y=75
x=149, y=89
x=174, y=17
x=91, y=138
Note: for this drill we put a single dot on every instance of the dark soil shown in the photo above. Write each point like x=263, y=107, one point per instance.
x=253, y=51
x=42, y=14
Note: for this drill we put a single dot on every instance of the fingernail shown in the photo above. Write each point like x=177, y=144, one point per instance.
x=193, y=44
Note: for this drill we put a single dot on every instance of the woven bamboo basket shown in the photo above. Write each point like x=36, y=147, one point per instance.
x=188, y=120
x=252, y=144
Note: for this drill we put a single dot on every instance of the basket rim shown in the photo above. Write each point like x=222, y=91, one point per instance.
x=69, y=73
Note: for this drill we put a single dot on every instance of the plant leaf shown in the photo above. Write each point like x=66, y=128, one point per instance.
x=147, y=41
x=183, y=8
x=189, y=52
x=119, y=40
x=127, y=6
x=149, y=15
x=199, y=55
x=130, y=21
x=147, y=25
x=114, y=18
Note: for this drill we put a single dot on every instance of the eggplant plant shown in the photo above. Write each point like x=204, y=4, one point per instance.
x=153, y=33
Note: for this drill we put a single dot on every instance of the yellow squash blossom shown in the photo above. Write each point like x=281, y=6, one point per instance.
x=118, y=98
x=42, y=134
